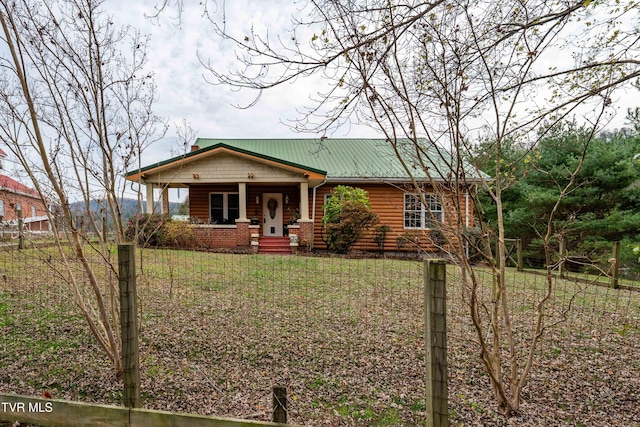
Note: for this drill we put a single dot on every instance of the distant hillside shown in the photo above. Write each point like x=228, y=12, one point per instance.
x=130, y=207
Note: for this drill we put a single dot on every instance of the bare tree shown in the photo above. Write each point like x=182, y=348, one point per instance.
x=434, y=77
x=76, y=111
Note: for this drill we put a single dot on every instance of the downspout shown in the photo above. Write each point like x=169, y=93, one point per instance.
x=313, y=211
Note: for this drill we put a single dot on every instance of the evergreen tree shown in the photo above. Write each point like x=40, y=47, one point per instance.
x=604, y=206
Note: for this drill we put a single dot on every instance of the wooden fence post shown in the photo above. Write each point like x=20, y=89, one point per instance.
x=615, y=254
x=129, y=325
x=435, y=315
x=279, y=404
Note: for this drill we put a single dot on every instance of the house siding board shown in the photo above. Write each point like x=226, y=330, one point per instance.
x=386, y=201
x=294, y=201
x=254, y=210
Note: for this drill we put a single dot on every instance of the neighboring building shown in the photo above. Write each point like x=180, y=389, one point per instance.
x=15, y=196
x=245, y=191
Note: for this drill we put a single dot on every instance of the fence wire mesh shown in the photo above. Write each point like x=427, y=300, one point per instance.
x=345, y=336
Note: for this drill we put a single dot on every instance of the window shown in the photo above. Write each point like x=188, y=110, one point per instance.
x=34, y=212
x=1, y=207
x=417, y=215
x=224, y=208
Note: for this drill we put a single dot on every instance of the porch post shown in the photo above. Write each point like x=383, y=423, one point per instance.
x=242, y=195
x=304, y=201
x=149, y=187
x=243, y=234
x=165, y=200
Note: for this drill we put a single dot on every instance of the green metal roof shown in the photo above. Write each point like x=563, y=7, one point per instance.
x=340, y=159
x=353, y=158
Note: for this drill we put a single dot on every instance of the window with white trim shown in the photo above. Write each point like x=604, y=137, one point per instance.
x=224, y=208
x=1, y=207
x=419, y=216
x=34, y=212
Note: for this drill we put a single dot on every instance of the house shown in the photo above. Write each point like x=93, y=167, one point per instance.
x=16, y=199
x=243, y=192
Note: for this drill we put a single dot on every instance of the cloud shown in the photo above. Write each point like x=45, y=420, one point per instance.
x=177, y=52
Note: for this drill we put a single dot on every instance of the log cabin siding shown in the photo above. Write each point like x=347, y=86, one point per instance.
x=294, y=201
x=385, y=200
x=388, y=202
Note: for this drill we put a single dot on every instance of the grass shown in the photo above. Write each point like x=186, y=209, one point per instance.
x=344, y=335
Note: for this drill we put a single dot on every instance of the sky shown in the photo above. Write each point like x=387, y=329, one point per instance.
x=176, y=49
x=184, y=93
x=211, y=109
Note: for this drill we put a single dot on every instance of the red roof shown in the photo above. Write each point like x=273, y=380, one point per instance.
x=11, y=184
x=2, y=153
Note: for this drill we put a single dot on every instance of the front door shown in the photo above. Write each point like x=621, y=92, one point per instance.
x=272, y=214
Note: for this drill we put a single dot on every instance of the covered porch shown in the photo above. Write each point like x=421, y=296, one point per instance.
x=237, y=198
x=229, y=215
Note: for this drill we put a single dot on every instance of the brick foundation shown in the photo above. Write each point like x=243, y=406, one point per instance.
x=212, y=236
x=305, y=235
x=240, y=235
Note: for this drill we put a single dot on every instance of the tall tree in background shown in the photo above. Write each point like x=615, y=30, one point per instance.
x=445, y=74
x=76, y=111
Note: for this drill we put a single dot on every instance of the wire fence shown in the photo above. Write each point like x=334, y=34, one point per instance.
x=344, y=336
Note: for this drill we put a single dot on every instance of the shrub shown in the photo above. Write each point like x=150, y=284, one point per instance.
x=146, y=229
x=178, y=234
x=380, y=236
x=347, y=216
